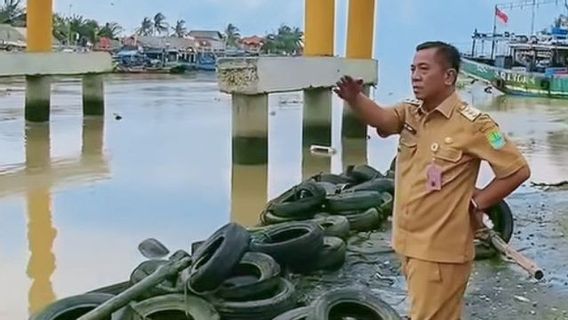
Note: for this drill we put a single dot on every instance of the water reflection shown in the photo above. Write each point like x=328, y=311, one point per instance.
x=41, y=233
x=48, y=174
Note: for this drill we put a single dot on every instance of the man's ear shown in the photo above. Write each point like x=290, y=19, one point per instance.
x=451, y=76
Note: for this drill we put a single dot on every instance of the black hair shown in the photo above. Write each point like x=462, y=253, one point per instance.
x=449, y=53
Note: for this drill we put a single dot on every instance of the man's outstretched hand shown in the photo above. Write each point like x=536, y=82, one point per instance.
x=348, y=89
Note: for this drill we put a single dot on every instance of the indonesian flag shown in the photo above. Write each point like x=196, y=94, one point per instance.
x=501, y=15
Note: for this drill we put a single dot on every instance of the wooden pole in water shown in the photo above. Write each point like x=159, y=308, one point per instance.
x=360, y=45
x=39, y=20
x=319, y=41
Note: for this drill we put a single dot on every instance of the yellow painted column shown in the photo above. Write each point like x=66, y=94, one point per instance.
x=360, y=45
x=39, y=25
x=361, y=29
x=319, y=28
x=39, y=21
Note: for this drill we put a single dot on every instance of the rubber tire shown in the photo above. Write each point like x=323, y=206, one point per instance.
x=294, y=206
x=364, y=173
x=268, y=218
x=215, y=259
x=386, y=209
x=145, y=269
x=113, y=289
x=295, y=314
x=352, y=201
x=379, y=185
x=330, y=188
x=89, y=300
x=283, y=300
x=290, y=250
x=268, y=269
x=179, y=255
x=363, y=221
x=502, y=218
x=324, y=304
x=331, y=257
x=333, y=178
x=196, y=307
x=334, y=226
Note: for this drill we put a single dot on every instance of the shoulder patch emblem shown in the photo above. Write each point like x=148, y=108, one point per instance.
x=496, y=139
x=469, y=112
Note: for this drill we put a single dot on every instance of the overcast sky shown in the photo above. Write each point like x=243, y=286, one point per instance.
x=401, y=24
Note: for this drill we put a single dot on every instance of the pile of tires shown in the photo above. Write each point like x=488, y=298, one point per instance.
x=234, y=274
x=362, y=195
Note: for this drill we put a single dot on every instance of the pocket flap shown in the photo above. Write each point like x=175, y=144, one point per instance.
x=449, y=154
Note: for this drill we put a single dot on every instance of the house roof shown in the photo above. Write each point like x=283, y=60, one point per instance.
x=252, y=40
x=210, y=34
x=16, y=35
x=163, y=42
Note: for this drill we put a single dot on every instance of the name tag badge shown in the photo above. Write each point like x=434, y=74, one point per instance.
x=433, y=177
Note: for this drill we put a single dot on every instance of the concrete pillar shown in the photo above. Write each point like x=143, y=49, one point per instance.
x=39, y=21
x=93, y=95
x=360, y=45
x=41, y=233
x=319, y=41
x=360, y=29
x=316, y=131
x=249, y=179
x=319, y=26
x=353, y=138
x=38, y=91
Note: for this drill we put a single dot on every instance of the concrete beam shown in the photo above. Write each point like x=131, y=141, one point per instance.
x=261, y=75
x=56, y=63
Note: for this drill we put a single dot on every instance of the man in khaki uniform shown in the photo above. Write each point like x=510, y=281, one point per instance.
x=442, y=142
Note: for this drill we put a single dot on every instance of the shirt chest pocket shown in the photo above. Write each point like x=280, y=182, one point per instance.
x=407, y=146
x=449, y=160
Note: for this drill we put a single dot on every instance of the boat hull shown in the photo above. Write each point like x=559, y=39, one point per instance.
x=513, y=82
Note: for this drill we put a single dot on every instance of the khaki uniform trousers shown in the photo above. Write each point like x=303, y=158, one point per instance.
x=435, y=289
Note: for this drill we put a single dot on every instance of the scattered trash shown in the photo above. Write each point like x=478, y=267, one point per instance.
x=522, y=299
x=322, y=150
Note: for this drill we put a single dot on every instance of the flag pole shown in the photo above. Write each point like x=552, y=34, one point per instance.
x=494, y=32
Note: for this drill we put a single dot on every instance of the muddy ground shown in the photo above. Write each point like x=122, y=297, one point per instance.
x=498, y=289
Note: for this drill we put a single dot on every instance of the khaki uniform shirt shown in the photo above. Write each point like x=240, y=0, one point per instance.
x=435, y=225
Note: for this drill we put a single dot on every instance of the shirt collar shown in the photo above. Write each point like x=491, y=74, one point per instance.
x=446, y=107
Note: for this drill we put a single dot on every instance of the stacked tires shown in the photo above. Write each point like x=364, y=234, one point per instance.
x=240, y=273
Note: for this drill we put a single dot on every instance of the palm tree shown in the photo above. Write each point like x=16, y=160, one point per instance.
x=146, y=27
x=60, y=28
x=286, y=40
x=110, y=30
x=11, y=12
x=160, y=24
x=232, y=35
x=179, y=30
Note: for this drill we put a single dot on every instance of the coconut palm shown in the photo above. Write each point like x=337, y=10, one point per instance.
x=232, y=35
x=110, y=30
x=11, y=12
x=160, y=24
x=179, y=30
x=146, y=27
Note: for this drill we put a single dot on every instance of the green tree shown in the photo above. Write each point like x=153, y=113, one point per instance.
x=232, y=35
x=60, y=28
x=10, y=11
x=146, y=27
x=286, y=41
x=179, y=30
x=160, y=24
x=110, y=30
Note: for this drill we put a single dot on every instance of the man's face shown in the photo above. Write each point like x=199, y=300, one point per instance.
x=430, y=76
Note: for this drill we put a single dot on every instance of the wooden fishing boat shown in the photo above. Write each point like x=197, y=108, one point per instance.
x=534, y=65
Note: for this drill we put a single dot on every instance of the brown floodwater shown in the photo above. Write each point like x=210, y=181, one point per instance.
x=78, y=195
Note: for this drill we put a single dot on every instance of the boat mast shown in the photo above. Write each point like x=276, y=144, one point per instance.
x=533, y=15
x=494, y=33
